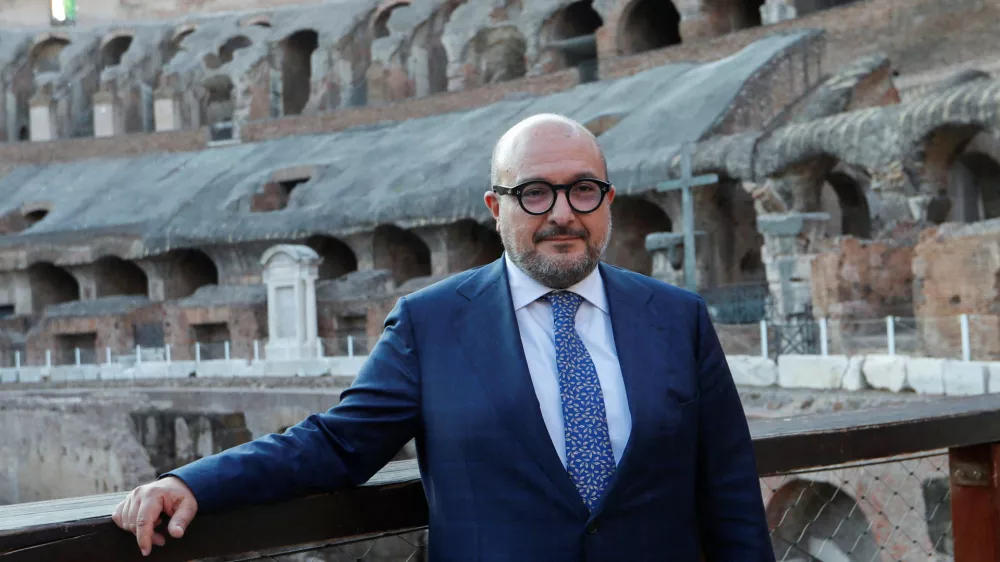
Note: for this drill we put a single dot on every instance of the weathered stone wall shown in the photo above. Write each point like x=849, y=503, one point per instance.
x=956, y=270
x=861, y=279
x=55, y=448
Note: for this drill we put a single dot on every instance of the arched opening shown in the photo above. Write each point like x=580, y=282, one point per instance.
x=45, y=55
x=51, y=285
x=401, y=252
x=633, y=218
x=747, y=14
x=974, y=188
x=380, y=27
x=34, y=217
x=472, y=244
x=114, y=50
x=338, y=258
x=296, y=70
x=497, y=54
x=844, y=199
x=188, y=271
x=219, y=106
x=115, y=276
x=23, y=134
x=234, y=44
x=818, y=521
x=574, y=36
x=648, y=25
x=175, y=43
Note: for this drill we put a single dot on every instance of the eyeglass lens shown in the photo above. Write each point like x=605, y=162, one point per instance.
x=584, y=196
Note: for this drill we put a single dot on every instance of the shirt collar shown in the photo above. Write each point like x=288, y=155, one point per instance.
x=524, y=290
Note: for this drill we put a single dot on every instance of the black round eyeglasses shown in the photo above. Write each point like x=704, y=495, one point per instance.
x=537, y=197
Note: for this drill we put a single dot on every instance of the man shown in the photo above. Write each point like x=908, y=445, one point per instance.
x=563, y=409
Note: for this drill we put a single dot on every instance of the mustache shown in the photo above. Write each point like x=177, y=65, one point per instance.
x=560, y=231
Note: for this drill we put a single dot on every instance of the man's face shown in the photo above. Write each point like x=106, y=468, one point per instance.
x=561, y=247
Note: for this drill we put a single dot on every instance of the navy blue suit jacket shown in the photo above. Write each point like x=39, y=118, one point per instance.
x=449, y=370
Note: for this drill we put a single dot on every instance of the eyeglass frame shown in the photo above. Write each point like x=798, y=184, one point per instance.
x=516, y=191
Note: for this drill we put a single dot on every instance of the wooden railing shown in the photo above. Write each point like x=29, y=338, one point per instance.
x=966, y=429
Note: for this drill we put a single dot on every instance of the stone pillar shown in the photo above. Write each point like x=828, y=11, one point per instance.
x=42, y=117
x=166, y=112
x=108, y=117
x=290, y=273
x=774, y=11
x=362, y=244
x=87, y=279
x=790, y=242
x=667, y=249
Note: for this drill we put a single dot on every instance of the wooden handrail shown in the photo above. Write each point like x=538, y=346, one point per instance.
x=393, y=500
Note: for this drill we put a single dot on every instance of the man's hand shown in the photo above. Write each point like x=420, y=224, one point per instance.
x=141, y=511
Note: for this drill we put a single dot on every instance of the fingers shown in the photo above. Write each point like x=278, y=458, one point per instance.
x=159, y=539
x=117, y=515
x=184, y=510
x=150, y=506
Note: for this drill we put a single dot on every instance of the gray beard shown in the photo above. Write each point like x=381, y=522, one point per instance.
x=555, y=272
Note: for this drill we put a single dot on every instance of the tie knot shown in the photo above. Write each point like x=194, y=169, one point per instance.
x=564, y=303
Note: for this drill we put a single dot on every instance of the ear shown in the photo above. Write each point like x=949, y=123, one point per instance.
x=493, y=204
x=610, y=195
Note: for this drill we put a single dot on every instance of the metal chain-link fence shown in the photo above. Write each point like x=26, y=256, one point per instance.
x=889, y=510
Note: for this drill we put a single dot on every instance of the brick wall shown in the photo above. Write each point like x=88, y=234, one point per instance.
x=408, y=109
x=917, y=35
x=115, y=331
x=81, y=148
x=956, y=270
x=245, y=324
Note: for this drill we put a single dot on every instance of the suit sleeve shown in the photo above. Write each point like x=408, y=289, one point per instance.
x=731, y=516
x=341, y=447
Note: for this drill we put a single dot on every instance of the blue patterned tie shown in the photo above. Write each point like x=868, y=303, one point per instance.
x=590, y=460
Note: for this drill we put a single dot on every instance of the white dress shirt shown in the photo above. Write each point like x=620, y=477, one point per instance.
x=593, y=324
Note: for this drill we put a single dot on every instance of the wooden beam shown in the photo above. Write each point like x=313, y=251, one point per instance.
x=975, y=502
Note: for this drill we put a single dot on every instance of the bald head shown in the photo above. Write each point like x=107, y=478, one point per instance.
x=562, y=245
x=535, y=132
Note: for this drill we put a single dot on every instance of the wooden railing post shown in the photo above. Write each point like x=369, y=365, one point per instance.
x=975, y=502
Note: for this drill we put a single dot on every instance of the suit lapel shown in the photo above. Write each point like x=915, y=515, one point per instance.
x=488, y=331
x=631, y=322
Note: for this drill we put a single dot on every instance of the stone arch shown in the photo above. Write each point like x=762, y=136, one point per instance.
x=338, y=258
x=114, y=49
x=472, y=244
x=115, y=276
x=177, y=40
x=219, y=105
x=189, y=269
x=45, y=54
x=233, y=44
x=845, y=199
x=571, y=35
x=51, y=284
x=727, y=16
x=496, y=54
x=257, y=21
x=633, y=218
x=296, y=70
x=935, y=157
x=401, y=252
x=813, y=520
x=647, y=25
x=380, y=23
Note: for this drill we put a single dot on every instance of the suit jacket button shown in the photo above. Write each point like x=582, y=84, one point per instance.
x=592, y=528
